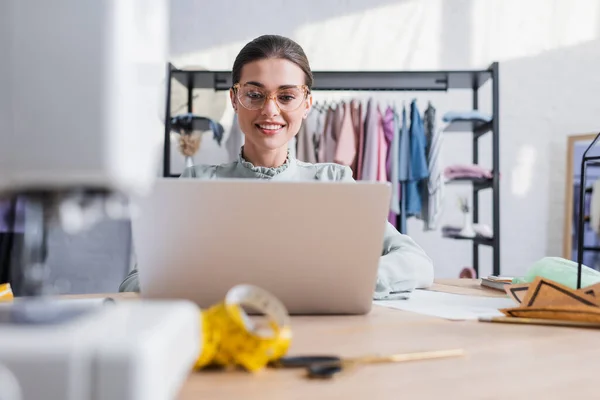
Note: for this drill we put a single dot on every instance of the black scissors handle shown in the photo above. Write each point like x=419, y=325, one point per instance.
x=306, y=361
x=317, y=366
x=324, y=370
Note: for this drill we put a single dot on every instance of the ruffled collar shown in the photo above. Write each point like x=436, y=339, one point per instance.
x=264, y=171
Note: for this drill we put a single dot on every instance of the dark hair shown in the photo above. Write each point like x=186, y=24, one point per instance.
x=272, y=46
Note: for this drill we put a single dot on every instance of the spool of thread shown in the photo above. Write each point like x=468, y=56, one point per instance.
x=468, y=273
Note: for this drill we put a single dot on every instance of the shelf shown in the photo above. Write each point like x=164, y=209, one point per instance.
x=478, y=128
x=477, y=240
x=471, y=81
x=354, y=80
x=478, y=183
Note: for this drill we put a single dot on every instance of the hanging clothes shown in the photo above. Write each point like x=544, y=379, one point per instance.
x=359, y=131
x=434, y=188
x=318, y=134
x=305, y=148
x=371, y=143
x=334, y=130
x=395, y=166
x=389, y=131
x=345, y=152
x=327, y=143
x=418, y=162
x=382, y=149
x=403, y=168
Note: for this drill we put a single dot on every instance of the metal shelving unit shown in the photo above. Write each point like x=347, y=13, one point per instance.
x=390, y=81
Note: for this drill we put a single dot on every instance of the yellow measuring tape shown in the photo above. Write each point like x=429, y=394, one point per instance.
x=230, y=338
x=6, y=293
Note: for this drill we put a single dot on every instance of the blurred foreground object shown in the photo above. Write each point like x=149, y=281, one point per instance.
x=81, y=86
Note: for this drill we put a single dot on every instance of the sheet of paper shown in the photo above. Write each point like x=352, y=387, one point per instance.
x=450, y=306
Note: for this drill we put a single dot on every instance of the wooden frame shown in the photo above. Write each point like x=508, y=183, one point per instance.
x=568, y=212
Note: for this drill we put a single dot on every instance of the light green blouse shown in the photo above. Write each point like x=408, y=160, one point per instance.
x=403, y=265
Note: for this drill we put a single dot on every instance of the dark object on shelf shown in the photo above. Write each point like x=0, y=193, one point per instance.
x=479, y=128
x=478, y=183
x=190, y=122
x=586, y=161
x=481, y=240
x=387, y=81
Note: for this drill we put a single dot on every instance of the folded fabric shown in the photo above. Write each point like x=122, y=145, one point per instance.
x=482, y=231
x=472, y=115
x=467, y=171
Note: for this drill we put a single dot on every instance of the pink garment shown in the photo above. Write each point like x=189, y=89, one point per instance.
x=345, y=151
x=467, y=171
x=382, y=150
x=388, y=130
x=327, y=145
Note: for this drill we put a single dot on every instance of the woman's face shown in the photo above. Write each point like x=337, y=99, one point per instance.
x=270, y=128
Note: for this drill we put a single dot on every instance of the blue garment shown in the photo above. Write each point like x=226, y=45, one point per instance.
x=418, y=161
x=474, y=115
x=404, y=150
x=403, y=167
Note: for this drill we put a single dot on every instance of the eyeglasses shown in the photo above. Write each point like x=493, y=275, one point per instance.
x=287, y=99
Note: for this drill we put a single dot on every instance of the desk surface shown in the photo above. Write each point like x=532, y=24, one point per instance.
x=502, y=360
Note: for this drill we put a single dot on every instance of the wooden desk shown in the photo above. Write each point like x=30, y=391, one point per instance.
x=503, y=361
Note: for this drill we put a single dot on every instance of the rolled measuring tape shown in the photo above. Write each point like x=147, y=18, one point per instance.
x=230, y=338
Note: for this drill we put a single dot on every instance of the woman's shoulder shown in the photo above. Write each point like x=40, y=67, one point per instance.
x=208, y=171
x=327, y=171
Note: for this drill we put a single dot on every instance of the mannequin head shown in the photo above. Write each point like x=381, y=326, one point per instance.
x=271, y=95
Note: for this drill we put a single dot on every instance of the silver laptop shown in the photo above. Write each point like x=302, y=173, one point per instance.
x=314, y=245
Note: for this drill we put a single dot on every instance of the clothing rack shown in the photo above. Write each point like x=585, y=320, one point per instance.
x=389, y=81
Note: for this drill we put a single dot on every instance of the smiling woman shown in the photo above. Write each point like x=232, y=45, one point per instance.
x=271, y=95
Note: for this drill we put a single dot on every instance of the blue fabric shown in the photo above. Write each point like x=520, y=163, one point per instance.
x=403, y=167
x=418, y=161
x=404, y=152
x=474, y=115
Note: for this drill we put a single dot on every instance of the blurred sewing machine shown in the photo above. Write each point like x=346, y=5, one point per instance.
x=81, y=86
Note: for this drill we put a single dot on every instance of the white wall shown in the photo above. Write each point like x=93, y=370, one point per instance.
x=549, y=52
